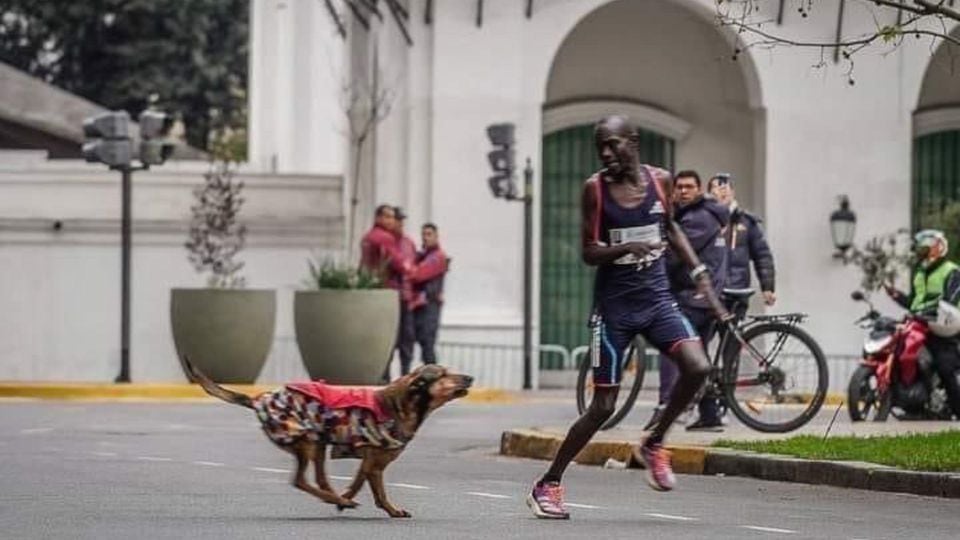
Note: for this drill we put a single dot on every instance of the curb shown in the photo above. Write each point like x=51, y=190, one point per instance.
x=171, y=392
x=530, y=443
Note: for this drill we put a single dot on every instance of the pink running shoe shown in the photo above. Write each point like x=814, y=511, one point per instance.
x=656, y=459
x=546, y=501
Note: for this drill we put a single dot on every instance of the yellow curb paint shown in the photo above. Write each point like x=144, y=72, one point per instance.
x=160, y=391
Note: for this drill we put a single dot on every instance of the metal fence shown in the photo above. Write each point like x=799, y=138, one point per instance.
x=501, y=366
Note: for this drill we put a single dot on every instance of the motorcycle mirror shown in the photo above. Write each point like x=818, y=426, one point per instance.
x=858, y=296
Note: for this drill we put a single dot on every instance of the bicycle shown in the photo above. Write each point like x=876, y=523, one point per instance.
x=759, y=390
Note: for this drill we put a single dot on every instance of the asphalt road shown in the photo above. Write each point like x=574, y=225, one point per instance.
x=161, y=470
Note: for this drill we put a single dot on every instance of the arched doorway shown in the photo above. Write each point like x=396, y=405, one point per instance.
x=936, y=143
x=695, y=107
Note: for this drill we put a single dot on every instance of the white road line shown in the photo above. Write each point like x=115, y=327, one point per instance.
x=587, y=506
x=768, y=529
x=208, y=463
x=105, y=454
x=32, y=431
x=341, y=477
x=671, y=517
x=488, y=495
x=408, y=486
x=268, y=469
x=151, y=458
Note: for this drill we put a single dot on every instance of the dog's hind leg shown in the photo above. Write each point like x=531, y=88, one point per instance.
x=305, y=452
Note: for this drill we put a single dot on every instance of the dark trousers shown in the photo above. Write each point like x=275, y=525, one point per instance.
x=705, y=325
x=405, y=339
x=426, y=323
x=946, y=357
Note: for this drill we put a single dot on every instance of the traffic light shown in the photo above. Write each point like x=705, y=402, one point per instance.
x=502, y=160
x=155, y=148
x=108, y=139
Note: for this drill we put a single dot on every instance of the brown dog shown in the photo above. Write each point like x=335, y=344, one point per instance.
x=372, y=423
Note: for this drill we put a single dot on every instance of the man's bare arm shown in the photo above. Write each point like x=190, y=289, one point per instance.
x=681, y=246
x=593, y=251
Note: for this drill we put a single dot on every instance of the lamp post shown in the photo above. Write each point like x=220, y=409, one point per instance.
x=843, y=225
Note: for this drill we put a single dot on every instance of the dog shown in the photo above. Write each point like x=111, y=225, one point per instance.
x=370, y=423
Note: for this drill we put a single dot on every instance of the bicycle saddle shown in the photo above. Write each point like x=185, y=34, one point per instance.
x=739, y=294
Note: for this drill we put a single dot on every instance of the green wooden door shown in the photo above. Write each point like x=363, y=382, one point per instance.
x=936, y=176
x=566, y=284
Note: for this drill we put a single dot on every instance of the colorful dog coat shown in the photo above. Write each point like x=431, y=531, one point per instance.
x=346, y=417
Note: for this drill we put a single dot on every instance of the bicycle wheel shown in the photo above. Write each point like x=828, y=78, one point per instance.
x=634, y=366
x=778, y=382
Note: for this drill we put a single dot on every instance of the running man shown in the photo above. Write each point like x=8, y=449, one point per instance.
x=626, y=217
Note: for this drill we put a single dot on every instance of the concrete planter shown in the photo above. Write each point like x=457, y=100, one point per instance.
x=346, y=336
x=226, y=333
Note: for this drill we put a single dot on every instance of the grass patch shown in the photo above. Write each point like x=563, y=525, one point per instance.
x=937, y=452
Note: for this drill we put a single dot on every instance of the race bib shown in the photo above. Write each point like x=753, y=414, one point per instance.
x=644, y=233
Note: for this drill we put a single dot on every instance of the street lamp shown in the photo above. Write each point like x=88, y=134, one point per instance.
x=843, y=225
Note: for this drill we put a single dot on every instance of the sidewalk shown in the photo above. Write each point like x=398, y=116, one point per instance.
x=692, y=453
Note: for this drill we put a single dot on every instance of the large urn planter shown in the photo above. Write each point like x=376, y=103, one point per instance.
x=346, y=336
x=226, y=333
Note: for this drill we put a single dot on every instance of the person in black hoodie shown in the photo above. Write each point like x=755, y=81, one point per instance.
x=704, y=221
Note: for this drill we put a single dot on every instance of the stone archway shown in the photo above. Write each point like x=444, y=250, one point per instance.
x=695, y=106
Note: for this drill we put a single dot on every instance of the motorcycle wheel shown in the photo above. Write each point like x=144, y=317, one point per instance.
x=863, y=397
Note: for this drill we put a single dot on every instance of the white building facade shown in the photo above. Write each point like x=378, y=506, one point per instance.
x=795, y=137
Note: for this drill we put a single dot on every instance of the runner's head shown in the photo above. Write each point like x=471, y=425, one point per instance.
x=617, y=145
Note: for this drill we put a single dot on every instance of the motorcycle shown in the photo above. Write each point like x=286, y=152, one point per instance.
x=896, y=374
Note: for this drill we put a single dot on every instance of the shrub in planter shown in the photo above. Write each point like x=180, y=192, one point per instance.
x=346, y=323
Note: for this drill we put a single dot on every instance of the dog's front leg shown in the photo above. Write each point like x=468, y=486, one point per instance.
x=373, y=465
x=356, y=484
x=306, y=451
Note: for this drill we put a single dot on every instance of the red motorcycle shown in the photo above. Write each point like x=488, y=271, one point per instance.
x=896, y=374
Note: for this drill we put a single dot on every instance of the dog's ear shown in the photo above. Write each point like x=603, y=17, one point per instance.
x=426, y=376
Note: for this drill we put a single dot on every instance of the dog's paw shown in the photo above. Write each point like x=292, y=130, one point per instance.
x=346, y=505
x=400, y=513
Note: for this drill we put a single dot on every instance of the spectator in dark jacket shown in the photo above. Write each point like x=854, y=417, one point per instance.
x=747, y=243
x=704, y=221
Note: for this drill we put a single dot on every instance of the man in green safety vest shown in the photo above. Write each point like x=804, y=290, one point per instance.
x=935, y=278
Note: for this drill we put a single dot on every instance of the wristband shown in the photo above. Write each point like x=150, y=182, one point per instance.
x=698, y=271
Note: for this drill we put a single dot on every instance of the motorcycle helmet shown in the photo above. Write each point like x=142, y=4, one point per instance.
x=930, y=245
x=947, y=323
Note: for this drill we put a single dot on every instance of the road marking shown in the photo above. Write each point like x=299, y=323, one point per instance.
x=488, y=495
x=268, y=469
x=408, y=486
x=341, y=477
x=151, y=458
x=105, y=454
x=587, y=506
x=768, y=529
x=208, y=463
x=32, y=431
x=671, y=516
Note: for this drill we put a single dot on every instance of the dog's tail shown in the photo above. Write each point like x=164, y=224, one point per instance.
x=215, y=389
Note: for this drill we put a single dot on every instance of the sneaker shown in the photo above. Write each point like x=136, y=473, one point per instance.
x=656, y=460
x=714, y=426
x=546, y=501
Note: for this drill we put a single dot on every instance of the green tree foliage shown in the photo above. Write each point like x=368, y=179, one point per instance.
x=190, y=55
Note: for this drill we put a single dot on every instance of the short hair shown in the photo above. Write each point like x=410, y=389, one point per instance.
x=689, y=173
x=382, y=209
x=430, y=225
x=628, y=129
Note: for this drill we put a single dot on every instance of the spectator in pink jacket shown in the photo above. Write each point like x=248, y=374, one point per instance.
x=426, y=285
